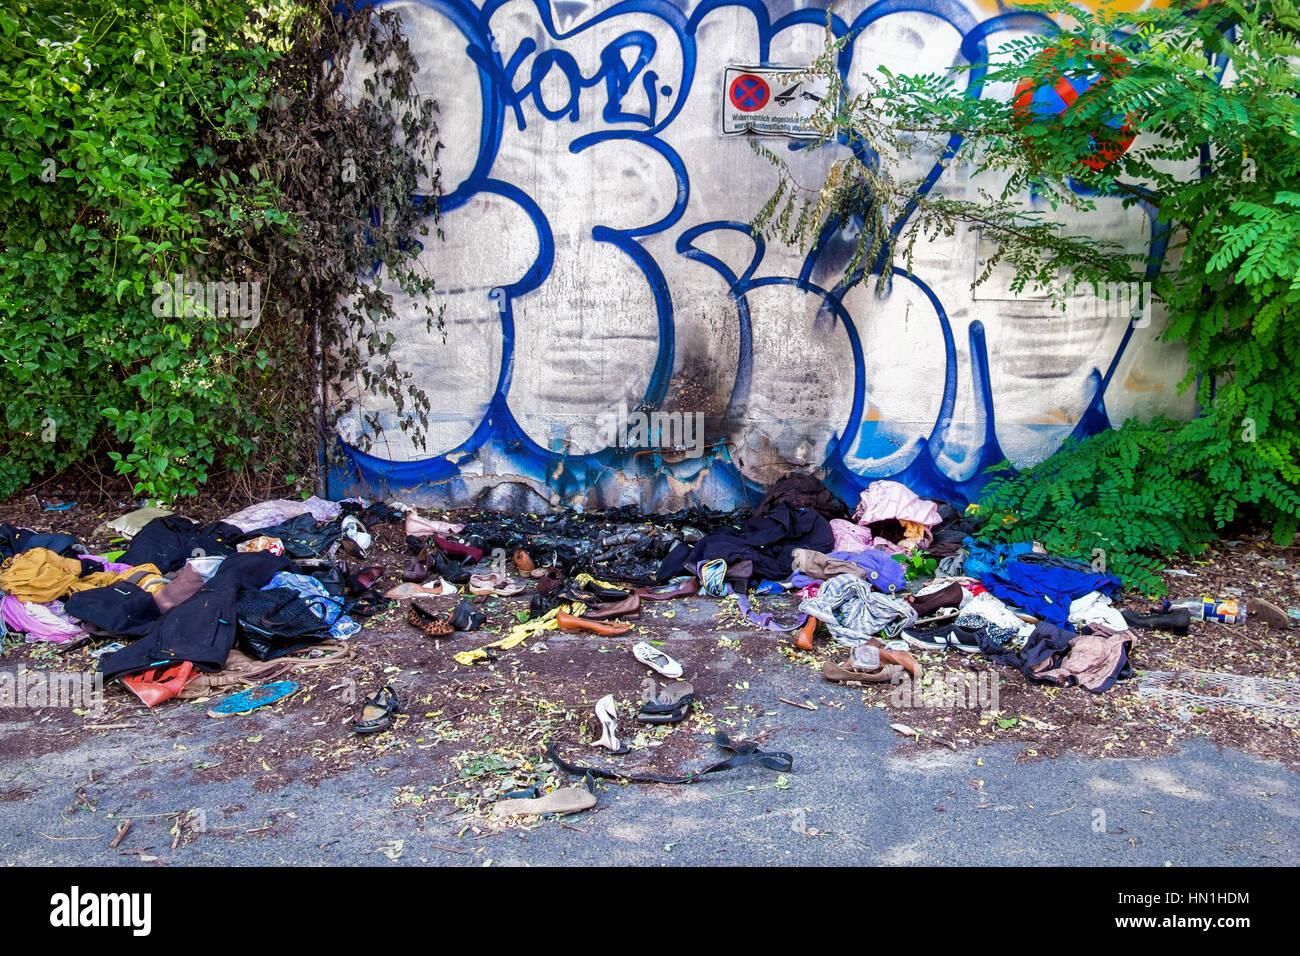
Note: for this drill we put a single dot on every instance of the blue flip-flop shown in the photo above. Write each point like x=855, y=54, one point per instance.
x=253, y=698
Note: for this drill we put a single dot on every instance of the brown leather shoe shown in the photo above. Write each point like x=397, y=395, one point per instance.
x=804, y=643
x=904, y=660
x=629, y=607
x=571, y=623
x=843, y=673
x=523, y=563
x=1267, y=612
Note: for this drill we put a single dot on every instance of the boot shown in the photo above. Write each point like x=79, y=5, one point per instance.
x=1175, y=621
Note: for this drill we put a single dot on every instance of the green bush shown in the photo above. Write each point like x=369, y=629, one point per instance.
x=99, y=110
x=151, y=139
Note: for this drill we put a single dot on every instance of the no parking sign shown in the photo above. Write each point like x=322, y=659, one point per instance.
x=773, y=101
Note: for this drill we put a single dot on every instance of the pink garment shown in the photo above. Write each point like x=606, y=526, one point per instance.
x=267, y=514
x=886, y=501
x=422, y=527
x=809, y=590
x=851, y=537
x=41, y=622
x=883, y=500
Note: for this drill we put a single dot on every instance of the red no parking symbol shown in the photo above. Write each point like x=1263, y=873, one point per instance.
x=749, y=92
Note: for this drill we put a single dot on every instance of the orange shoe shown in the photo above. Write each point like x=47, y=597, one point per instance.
x=571, y=623
x=804, y=643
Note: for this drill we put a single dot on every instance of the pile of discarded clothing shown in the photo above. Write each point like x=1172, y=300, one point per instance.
x=187, y=609
x=1049, y=617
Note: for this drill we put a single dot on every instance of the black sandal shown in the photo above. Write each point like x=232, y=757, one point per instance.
x=377, y=712
x=367, y=605
x=466, y=617
x=669, y=705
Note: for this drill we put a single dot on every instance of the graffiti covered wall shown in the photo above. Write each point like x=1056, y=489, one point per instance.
x=598, y=261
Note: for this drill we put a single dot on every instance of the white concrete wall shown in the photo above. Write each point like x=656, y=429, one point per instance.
x=571, y=282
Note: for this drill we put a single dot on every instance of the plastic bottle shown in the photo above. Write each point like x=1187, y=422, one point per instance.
x=1230, y=611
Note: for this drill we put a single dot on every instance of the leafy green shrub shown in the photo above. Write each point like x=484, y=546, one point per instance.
x=155, y=145
x=917, y=565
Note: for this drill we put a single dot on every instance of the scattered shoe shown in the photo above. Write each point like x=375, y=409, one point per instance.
x=494, y=582
x=356, y=539
x=432, y=624
x=572, y=623
x=523, y=563
x=656, y=660
x=419, y=567
x=541, y=604
x=901, y=659
x=377, y=712
x=358, y=579
x=457, y=572
x=474, y=555
x=549, y=581
x=1175, y=621
x=408, y=590
x=667, y=705
x=467, y=617
x=684, y=587
x=631, y=607
x=941, y=637
x=846, y=673
x=605, y=594
x=253, y=698
x=1267, y=612
x=607, y=715
x=417, y=527
x=566, y=800
x=805, y=640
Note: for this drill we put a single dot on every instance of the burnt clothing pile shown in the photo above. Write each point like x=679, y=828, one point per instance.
x=621, y=544
x=793, y=515
x=767, y=541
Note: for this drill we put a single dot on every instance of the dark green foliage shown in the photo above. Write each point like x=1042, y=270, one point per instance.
x=146, y=139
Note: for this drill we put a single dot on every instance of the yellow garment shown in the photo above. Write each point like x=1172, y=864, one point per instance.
x=915, y=535
x=521, y=632
x=585, y=578
x=39, y=575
